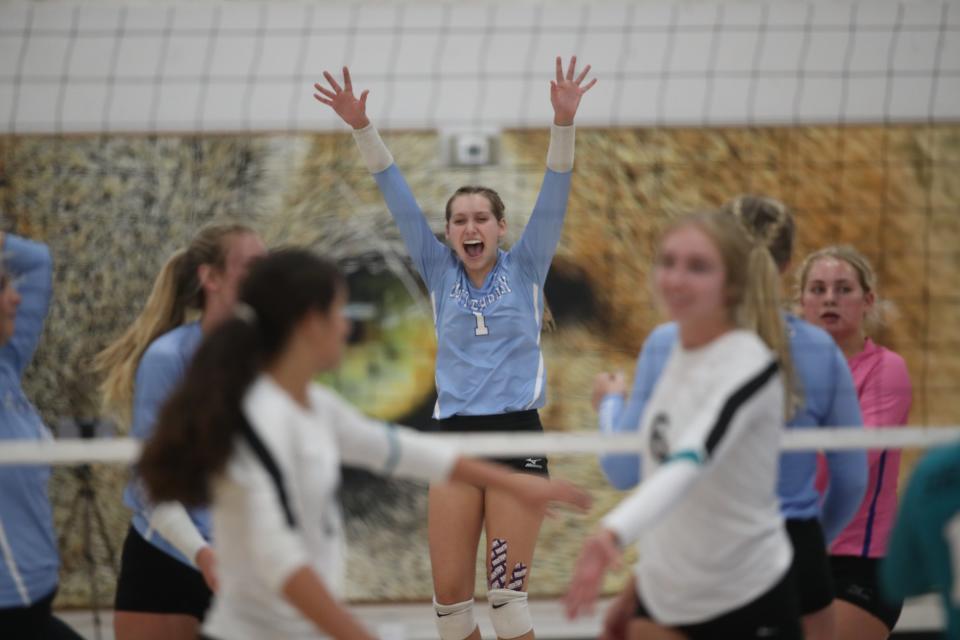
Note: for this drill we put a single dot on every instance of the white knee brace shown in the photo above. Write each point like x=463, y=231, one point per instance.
x=509, y=612
x=454, y=621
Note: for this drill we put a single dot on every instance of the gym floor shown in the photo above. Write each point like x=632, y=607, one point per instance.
x=921, y=620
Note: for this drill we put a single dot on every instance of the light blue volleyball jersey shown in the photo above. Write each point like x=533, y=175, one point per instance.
x=161, y=368
x=923, y=554
x=488, y=339
x=28, y=545
x=830, y=400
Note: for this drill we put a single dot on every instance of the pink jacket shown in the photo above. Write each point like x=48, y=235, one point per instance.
x=885, y=394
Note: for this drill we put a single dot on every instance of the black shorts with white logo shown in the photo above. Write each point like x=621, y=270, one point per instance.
x=811, y=565
x=774, y=614
x=857, y=583
x=521, y=421
x=152, y=581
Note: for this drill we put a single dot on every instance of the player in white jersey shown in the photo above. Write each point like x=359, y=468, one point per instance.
x=488, y=309
x=714, y=553
x=249, y=428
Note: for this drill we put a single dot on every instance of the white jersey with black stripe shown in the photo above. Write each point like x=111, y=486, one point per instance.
x=276, y=511
x=723, y=543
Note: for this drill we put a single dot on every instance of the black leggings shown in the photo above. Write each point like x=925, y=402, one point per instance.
x=35, y=622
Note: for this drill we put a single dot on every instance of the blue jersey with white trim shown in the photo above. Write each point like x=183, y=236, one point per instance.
x=488, y=338
x=28, y=546
x=161, y=368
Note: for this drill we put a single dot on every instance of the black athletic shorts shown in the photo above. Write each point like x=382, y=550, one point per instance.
x=35, y=622
x=811, y=565
x=523, y=421
x=152, y=581
x=775, y=614
x=857, y=583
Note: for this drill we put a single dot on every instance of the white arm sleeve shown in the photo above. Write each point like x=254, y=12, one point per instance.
x=560, y=152
x=652, y=500
x=171, y=520
x=392, y=450
x=372, y=149
x=388, y=449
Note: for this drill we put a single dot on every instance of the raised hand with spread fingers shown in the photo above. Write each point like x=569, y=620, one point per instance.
x=566, y=91
x=351, y=109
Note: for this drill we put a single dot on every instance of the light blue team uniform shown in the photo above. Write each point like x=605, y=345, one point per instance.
x=830, y=400
x=161, y=369
x=28, y=545
x=488, y=357
x=923, y=554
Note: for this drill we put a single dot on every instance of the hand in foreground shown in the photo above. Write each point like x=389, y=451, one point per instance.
x=207, y=564
x=353, y=111
x=599, y=552
x=540, y=493
x=565, y=92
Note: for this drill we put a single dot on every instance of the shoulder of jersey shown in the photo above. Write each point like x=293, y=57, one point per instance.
x=321, y=395
x=170, y=343
x=666, y=332
x=890, y=358
x=940, y=470
x=265, y=401
x=746, y=346
x=806, y=333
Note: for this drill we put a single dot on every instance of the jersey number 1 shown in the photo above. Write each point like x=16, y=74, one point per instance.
x=481, y=329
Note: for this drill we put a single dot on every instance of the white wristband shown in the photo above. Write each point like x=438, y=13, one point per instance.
x=171, y=520
x=560, y=152
x=372, y=149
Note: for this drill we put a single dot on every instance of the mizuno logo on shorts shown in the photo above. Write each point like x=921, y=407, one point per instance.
x=533, y=463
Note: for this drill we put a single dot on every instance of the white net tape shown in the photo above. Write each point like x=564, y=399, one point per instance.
x=125, y=450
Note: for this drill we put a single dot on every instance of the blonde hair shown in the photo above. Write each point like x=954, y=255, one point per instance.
x=866, y=277
x=768, y=221
x=753, y=289
x=176, y=290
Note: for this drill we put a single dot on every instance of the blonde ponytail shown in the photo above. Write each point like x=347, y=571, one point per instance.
x=163, y=311
x=176, y=290
x=759, y=311
x=769, y=225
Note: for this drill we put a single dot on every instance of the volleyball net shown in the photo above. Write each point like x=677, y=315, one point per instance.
x=211, y=67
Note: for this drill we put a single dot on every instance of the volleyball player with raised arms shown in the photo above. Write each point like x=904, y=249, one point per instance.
x=830, y=400
x=250, y=429
x=715, y=558
x=488, y=310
